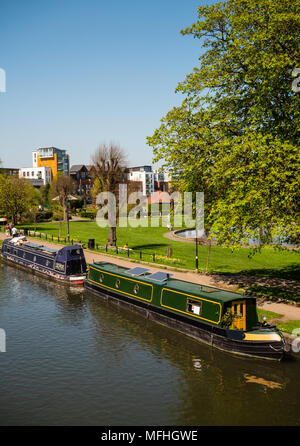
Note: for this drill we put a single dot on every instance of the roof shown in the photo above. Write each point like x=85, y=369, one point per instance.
x=208, y=292
x=77, y=167
x=50, y=147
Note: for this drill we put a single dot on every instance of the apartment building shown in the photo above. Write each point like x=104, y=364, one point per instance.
x=149, y=180
x=56, y=159
x=143, y=175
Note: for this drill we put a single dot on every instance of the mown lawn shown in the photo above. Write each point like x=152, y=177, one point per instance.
x=149, y=240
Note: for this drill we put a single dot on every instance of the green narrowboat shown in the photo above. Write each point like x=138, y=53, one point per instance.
x=220, y=318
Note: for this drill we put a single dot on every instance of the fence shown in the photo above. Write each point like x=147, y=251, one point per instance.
x=135, y=254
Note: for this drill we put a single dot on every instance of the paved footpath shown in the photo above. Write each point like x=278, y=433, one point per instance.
x=289, y=312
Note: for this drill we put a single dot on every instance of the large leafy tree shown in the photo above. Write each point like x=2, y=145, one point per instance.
x=16, y=196
x=236, y=134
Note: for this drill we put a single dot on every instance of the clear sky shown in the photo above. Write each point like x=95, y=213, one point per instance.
x=82, y=72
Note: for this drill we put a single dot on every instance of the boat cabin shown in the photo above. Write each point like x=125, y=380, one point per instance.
x=198, y=302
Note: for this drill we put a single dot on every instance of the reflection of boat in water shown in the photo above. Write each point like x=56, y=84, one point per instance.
x=197, y=361
x=262, y=381
x=65, y=265
x=198, y=311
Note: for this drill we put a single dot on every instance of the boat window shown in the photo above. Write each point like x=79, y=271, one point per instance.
x=194, y=307
x=7, y=249
x=75, y=252
x=136, y=288
x=75, y=266
x=101, y=277
x=117, y=283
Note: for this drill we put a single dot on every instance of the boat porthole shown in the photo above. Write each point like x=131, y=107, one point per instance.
x=117, y=283
x=101, y=277
x=136, y=289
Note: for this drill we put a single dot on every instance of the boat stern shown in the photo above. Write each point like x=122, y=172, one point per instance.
x=265, y=343
x=77, y=280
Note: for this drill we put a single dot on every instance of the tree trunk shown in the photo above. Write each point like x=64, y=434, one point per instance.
x=112, y=236
x=65, y=207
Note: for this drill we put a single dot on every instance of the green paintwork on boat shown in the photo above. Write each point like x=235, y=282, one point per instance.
x=177, y=296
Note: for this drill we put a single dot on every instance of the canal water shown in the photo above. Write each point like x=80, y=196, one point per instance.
x=73, y=359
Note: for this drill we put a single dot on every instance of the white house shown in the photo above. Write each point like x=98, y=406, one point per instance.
x=38, y=176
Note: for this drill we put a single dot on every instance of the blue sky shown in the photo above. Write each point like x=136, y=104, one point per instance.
x=79, y=73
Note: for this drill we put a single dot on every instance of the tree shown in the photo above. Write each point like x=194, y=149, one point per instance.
x=61, y=188
x=16, y=196
x=109, y=162
x=44, y=193
x=236, y=134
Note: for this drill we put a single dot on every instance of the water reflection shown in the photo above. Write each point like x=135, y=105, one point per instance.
x=262, y=381
x=73, y=358
x=211, y=387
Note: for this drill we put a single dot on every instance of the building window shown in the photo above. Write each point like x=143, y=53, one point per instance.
x=194, y=307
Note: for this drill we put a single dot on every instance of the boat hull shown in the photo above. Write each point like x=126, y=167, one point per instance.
x=223, y=339
x=40, y=271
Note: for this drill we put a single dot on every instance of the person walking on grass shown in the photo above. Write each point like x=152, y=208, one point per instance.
x=14, y=231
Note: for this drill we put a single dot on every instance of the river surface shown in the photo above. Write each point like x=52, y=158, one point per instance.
x=73, y=359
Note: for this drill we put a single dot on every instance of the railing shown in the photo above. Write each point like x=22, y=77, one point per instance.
x=133, y=254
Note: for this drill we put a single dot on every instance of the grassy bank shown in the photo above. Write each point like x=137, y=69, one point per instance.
x=286, y=327
x=268, y=263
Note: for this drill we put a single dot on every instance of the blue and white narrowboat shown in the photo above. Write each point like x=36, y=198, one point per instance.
x=65, y=265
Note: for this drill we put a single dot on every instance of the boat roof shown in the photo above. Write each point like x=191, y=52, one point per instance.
x=53, y=251
x=183, y=286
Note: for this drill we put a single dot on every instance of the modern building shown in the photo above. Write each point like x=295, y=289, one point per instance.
x=162, y=181
x=149, y=180
x=56, y=159
x=144, y=175
x=38, y=176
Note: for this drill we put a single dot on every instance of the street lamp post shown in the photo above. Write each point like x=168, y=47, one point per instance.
x=67, y=203
x=196, y=251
